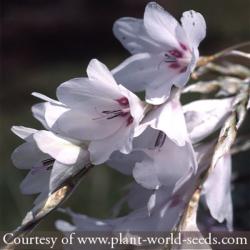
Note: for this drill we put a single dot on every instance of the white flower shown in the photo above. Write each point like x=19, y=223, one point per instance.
x=49, y=157
x=158, y=153
x=94, y=109
x=163, y=219
x=162, y=123
x=157, y=160
x=165, y=52
x=165, y=166
x=203, y=117
x=154, y=210
x=162, y=210
x=168, y=118
x=48, y=112
x=157, y=164
x=217, y=191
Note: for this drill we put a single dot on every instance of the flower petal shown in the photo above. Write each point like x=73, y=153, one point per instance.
x=100, y=150
x=203, y=117
x=136, y=106
x=145, y=71
x=217, y=190
x=61, y=172
x=137, y=71
x=147, y=138
x=27, y=155
x=98, y=72
x=125, y=163
x=162, y=26
x=195, y=27
x=169, y=118
x=182, y=78
x=48, y=113
x=41, y=197
x=23, y=132
x=79, y=91
x=133, y=36
x=38, y=111
x=145, y=174
x=60, y=149
x=45, y=98
x=86, y=223
x=35, y=183
x=156, y=171
x=174, y=170
x=138, y=196
x=88, y=124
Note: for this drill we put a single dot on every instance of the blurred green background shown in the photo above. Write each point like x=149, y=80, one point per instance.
x=46, y=42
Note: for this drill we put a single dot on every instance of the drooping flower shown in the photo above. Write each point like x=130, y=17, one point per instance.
x=203, y=117
x=168, y=118
x=50, y=158
x=163, y=123
x=217, y=191
x=160, y=213
x=153, y=210
x=165, y=165
x=156, y=163
x=164, y=52
x=162, y=169
x=95, y=109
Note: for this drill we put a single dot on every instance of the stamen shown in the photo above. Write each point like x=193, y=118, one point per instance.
x=48, y=162
x=110, y=111
x=115, y=115
x=123, y=112
x=45, y=165
x=160, y=140
x=169, y=58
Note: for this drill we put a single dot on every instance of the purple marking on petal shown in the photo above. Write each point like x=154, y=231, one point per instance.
x=123, y=101
x=176, y=53
x=184, y=69
x=124, y=114
x=175, y=201
x=129, y=120
x=174, y=65
x=183, y=46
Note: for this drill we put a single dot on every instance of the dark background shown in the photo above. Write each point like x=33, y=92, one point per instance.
x=45, y=42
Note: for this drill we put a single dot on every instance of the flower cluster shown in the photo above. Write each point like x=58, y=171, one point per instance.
x=164, y=145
